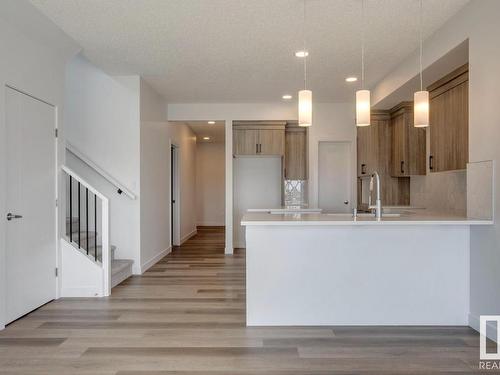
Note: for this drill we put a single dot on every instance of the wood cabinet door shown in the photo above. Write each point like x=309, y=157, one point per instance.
x=449, y=129
x=368, y=149
x=399, y=163
x=245, y=141
x=449, y=122
x=295, y=155
x=271, y=142
x=416, y=151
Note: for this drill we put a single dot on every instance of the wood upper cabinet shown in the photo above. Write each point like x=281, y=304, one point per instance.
x=245, y=141
x=259, y=139
x=272, y=142
x=408, y=143
x=368, y=149
x=295, y=153
x=449, y=121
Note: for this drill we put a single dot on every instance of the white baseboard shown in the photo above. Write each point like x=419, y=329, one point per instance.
x=85, y=292
x=150, y=263
x=490, y=328
x=189, y=235
x=211, y=224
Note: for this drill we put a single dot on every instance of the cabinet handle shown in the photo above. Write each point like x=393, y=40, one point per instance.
x=402, y=167
x=256, y=148
x=431, y=162
x=363, y=168
x=260, y=148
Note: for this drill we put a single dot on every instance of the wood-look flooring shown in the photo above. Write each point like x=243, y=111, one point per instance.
x=186, y=316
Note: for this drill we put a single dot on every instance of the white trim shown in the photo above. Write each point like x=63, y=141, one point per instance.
x=229, y=186
x=189, y=235
x=99, y=170
x=175, y=236
x=474, y=323
x=151, y=262
x=82, y=292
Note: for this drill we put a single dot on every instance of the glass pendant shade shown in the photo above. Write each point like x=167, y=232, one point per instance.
x=363, y=108
x=305, y=108
x=421, y=109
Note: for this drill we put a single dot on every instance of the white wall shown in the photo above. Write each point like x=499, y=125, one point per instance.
x=331, y=121
x=34, y=53
x=155, y=177
x=155, y=192
x=103, y=122
x=210, y=186
x=183, y=137
x=477, y=21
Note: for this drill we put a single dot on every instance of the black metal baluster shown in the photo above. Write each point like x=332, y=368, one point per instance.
x=95, y=227
x=70, y=209
x=87, y=218
x=79, y=217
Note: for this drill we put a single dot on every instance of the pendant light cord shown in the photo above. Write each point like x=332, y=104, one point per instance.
x=421, y=44
x=362, y=44
x=304, y=36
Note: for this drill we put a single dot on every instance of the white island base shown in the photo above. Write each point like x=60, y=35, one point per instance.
x=404, y=274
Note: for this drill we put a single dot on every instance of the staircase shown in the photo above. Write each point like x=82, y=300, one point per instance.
x=121, y=269
x=89, y=267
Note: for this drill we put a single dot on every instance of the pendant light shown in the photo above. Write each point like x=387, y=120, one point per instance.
x=305, y=96
x=363, y=96
x=421, y=98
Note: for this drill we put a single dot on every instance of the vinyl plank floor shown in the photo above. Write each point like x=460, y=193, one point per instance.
x=186, y=316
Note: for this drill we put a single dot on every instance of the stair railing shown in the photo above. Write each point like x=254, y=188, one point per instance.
x=120, y=188
x=87, y=228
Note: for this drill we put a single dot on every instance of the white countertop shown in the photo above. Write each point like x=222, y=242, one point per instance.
x=286, y=210
x=310, y=219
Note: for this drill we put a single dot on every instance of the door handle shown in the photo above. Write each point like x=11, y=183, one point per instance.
x=11, y=216
x=346, y=202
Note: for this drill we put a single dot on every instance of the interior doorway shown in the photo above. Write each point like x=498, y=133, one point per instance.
x=174, y=196
x=31, y=204
x=334, y=175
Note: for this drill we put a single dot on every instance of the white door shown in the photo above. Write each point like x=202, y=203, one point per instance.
x=31, y=182
x=334, y=174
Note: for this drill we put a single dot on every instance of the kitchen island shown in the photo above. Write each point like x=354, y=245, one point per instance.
x=333, y=269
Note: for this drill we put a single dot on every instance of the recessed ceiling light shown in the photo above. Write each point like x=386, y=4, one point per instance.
x=211, y=122
x=351, y=79
x=287, y=97
x=206, y=138
x=301, y=54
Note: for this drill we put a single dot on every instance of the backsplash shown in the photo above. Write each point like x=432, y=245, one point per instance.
x=440, y=191
x=295, y=193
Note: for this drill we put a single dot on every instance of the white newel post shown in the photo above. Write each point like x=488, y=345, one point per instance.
x=106, y=254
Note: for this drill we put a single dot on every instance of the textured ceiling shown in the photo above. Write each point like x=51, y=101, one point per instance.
x=201, y=129
x=242, y=50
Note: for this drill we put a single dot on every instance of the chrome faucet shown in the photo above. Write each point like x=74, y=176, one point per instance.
x=378, y=204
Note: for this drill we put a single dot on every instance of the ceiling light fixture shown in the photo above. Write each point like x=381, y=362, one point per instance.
x=351, y=79
x=305, y=96
x=363, y=96
x=421, y=98
x=287, y=97
x=303, y=53
x=206, y=138
x=211, y=122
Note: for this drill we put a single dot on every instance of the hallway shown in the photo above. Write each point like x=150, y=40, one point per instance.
x=186, y=315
